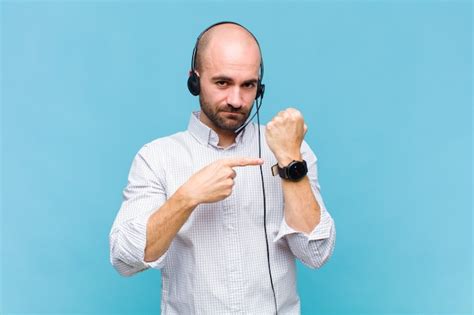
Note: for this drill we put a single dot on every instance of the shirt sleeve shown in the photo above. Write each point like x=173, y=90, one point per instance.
x=143, y=195
x=315, y=248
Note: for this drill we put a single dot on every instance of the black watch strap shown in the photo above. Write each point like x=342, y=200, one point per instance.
x=289, y=172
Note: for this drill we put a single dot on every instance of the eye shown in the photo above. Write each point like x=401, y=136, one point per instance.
x=221, y=83
x=249, y=85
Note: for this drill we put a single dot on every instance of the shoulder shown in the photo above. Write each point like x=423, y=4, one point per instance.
x=156, y=154
x=163, y=146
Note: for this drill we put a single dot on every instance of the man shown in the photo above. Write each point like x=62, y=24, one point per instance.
x=194, y=207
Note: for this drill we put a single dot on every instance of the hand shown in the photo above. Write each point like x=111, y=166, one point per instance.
x=215, y=181
x=284, y=134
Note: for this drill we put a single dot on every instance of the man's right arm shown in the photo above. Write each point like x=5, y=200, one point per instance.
x=165, y=223
x=148, y=222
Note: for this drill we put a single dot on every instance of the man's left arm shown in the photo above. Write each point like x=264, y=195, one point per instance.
x=307, y=226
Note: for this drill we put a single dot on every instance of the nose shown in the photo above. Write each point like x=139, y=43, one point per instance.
x=234, y=98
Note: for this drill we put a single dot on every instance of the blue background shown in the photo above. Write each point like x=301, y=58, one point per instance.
x=385, y=87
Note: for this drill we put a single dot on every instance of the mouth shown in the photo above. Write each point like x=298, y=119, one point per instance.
x=232, y=113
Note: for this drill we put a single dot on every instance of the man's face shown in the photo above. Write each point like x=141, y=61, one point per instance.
x=228, y=79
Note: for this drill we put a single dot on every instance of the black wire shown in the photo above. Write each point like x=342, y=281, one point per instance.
x=265, y=208
x=250, y=119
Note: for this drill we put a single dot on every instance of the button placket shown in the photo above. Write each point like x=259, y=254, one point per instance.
x=233, y=256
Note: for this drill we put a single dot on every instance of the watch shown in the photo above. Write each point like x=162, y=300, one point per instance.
x=295, y=171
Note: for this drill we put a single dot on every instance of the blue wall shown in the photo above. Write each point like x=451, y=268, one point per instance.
x=385, y=87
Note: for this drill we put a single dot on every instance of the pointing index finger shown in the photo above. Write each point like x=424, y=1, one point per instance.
x=242, y=161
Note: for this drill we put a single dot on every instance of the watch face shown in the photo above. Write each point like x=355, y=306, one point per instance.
x=297, y=170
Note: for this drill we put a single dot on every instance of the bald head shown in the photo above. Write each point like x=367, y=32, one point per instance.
x=226, y=41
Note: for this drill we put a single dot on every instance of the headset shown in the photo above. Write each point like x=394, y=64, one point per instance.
x=195, y=88
x=193, y=80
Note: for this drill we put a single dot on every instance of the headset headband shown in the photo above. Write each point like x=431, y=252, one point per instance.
x=193, y=59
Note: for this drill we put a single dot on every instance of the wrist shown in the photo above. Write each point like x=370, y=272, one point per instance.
x=185, y=198
x=285, y=159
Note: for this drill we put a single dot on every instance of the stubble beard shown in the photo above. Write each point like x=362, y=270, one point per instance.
x=219, y=121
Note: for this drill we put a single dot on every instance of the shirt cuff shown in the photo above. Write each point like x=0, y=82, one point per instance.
x=137, y=233
x=320, y=231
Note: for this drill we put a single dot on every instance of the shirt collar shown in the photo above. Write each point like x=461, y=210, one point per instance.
x=206, y=135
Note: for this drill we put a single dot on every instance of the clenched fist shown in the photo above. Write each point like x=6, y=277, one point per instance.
x=214, y=182
x=284, y=134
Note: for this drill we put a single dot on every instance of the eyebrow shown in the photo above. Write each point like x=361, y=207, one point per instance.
x=228, y=79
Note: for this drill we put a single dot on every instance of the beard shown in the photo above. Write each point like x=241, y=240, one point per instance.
x=221, y=117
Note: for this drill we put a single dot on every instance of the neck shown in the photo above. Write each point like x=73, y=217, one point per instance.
x=226, y=138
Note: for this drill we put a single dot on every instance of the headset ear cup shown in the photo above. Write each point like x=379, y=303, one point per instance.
x=260, y=90
x=193, y=84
